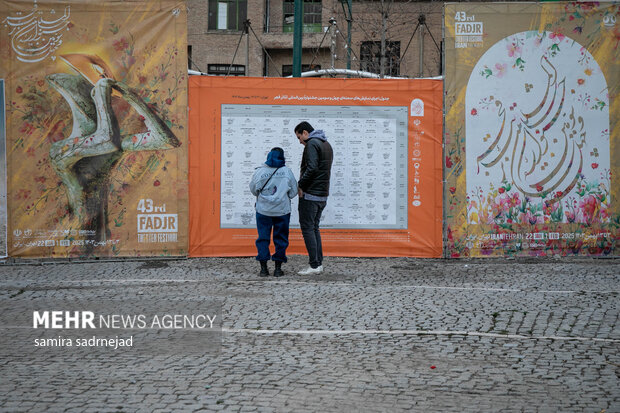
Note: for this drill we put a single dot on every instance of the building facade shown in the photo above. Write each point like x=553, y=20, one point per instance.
x=220, y=44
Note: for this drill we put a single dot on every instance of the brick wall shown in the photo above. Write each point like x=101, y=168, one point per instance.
x=209, y=47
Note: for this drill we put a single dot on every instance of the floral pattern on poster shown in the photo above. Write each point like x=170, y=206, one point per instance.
x=532, y=146
x=83, y=126
x=531, y=132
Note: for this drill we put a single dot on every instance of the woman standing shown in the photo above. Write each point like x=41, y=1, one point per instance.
x=274, y=185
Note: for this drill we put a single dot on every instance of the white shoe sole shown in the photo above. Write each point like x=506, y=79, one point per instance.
x=311, y=271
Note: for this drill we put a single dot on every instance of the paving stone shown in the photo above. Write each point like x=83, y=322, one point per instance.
x=331, y=361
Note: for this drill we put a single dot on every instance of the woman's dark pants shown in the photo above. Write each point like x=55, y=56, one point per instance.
x=280, y=226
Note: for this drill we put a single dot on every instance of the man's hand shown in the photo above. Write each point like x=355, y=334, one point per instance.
x=300, y=192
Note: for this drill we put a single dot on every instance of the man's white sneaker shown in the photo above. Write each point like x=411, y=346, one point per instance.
x=311, y=271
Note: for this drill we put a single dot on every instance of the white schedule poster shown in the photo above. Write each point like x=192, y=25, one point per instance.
x=369, y=175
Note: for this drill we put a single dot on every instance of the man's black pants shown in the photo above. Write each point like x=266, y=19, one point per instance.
x=309, y=219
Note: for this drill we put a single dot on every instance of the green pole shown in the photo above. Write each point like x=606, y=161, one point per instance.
x=349, y=24
x=297, y=33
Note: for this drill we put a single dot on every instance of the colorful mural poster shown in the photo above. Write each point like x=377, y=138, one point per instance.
x=2, y=173
x=532, y=145
x=96, y=134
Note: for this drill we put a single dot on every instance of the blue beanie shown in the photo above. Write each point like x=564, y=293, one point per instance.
x=275, y=159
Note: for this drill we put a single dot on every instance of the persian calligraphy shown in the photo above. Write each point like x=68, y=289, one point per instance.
x=33, y=37
x=531, y=129
x=538, y=107
x=530, y=150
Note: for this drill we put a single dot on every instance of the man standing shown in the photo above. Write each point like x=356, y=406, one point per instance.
x=316, y=165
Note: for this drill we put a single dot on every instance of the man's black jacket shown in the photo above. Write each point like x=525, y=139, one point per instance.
x=316, y=165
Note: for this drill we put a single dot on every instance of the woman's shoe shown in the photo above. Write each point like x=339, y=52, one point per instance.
x=278, y=271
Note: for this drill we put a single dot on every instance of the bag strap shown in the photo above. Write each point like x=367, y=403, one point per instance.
x=267, y=181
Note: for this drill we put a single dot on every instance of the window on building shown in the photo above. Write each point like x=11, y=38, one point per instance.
x=227, y=14
x=370, y=57
x=222, y=70
x=189, y=56
x=287, y=70
x=312, y=16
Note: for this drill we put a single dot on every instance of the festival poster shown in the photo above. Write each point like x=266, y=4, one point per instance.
x=96, y=113
x=531, y=132
x=385, y=192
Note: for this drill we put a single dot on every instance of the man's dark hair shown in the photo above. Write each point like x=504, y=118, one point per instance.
x=304, y=126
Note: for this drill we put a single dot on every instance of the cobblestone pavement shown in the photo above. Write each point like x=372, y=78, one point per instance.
x=367, y=335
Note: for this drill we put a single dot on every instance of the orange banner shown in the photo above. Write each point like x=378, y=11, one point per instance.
x=96, y=113
x=385, y=193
